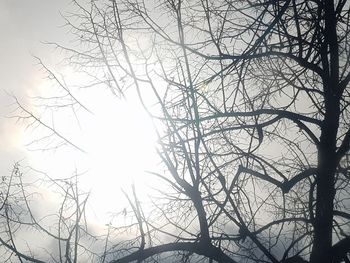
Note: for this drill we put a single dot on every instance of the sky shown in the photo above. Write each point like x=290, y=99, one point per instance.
x=19, y=24
x=117, y=137
x=23, y=24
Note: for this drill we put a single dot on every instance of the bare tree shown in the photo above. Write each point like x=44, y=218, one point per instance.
x=58, y=236
x=253, y=122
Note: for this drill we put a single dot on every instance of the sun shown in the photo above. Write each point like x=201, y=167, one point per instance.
x=118, y=140
x=120, y=148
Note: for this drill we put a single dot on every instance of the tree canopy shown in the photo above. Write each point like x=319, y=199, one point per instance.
x=250, y=100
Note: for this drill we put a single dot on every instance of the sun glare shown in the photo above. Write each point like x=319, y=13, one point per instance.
x=120, y=147
x=119, y=144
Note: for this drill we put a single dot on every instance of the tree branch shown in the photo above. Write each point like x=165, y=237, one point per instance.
x=199, y=248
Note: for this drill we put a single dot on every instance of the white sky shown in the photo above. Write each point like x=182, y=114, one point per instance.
x=118, y=137
x=22, y=25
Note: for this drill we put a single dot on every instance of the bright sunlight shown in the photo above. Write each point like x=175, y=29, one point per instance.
x=117, y=142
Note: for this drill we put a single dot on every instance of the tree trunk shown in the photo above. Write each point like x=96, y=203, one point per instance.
x=321, y=252
x=325, y=179
x=327, y=161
